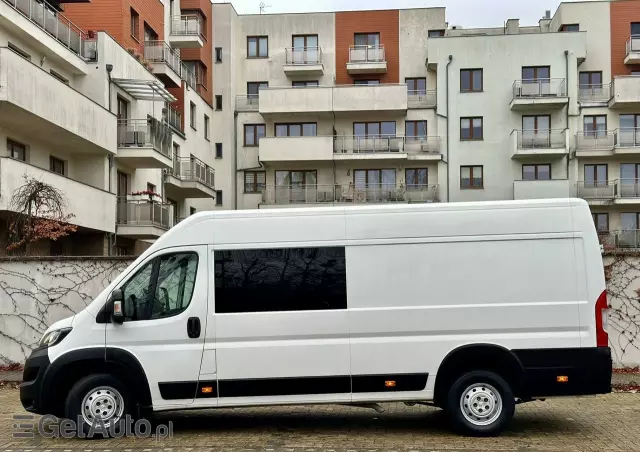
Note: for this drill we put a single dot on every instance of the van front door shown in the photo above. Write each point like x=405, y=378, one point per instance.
x=165, y=320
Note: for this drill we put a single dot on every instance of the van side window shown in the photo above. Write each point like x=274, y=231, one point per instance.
x=284, y=279
x=162, y=288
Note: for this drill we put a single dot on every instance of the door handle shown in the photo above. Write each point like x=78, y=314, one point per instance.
x=193, y=327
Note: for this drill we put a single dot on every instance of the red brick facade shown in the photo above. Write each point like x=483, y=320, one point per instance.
x=623, y=13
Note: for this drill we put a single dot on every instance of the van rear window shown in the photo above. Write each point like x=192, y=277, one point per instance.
x=282, y=279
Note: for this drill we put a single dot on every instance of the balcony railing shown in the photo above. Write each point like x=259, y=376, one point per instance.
x=627, y=188
x=596, y=190
x=186, y=25
x=303, y=55
x=160, y=52
x=628, y=137
x=371, y=193
x=421, y=98
x=367, y=54
x=138, y=133
x=541, y=139
x=191, y=169
x=594, y=140
x=594, y=93
x=386, y=145
x=188, y=76
x=248, y=103
x=174, y=117
x=626, y=239
x=47, y=17
x=143, y=213
x=539, y=88
x=633, y=44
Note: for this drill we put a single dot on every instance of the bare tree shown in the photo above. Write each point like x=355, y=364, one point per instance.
x=40, y=214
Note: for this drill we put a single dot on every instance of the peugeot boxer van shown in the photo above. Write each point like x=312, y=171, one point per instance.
x=471, y=307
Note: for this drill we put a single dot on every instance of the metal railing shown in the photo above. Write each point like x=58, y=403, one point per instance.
x=628, y=137
x=160, y=52
x=47, y=17
x=539, y=88
x=192, y=169
x=385, y=144
x=627, y=188
x=596, y=190
x=186, y=25
x=595, y=139
x=188, y=76
x=174, y=118
x=620, y=239
x=367, y=54
x=421, y=98
x=541, y=139
x=594, y=93
x=248, y=103
x=371, y=193
x=633, y=44
x=303, y=55
x=143, y=213
x=137, y=133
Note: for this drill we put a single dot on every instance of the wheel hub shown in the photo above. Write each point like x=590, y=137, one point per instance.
x=104, y=403
x=481, y=404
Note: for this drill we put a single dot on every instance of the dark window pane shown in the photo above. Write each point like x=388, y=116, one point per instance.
x=295, y=130
x=528, y=172
x=635, y=28
x=272, y=280
x=527, y=73
x=477, y=80
x=281, y=130
x=260, y=131
x=584, y=78
x=252, y=49
x=359, y=129
x=465, y=80
x=309, y=130
x=544, y=172
x=389, y=128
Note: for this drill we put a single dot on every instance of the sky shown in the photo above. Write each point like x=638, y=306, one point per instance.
x=468, y=13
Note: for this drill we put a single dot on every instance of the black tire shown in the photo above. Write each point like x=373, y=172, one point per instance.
x=495, y=382
x=84, y=386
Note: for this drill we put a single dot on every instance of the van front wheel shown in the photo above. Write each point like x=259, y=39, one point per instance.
x=480, y=403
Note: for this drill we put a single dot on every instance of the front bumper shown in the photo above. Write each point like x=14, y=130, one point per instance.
x=31, y=388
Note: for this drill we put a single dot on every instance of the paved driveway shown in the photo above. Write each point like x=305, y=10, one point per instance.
x=602, y=423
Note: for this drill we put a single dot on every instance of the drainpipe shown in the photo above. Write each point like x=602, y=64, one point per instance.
x=566, y=80
x=448, y=135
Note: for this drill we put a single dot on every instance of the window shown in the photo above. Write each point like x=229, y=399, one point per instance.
x=629, y=173
x=471, y=177
x=254, y=181
x=218, y=54
x=161, y=288
x=436, y=33
x=17, y=150
x=135, y=24
x=201, y=18
x=56, y=165
x=253, y=90
x=296, y=178
x=570, y=27
x=596, y=175
x=198, y=69
x=375, y=178
x=629, y=221
x=471, y=129
x=540, y=123
x=56, y=248
x=253, y=133
x=601, y=220
x=635, y=28
x=416, y=178
x=59, y=77
x=305, y=41
x=257, y=47
x=192, y=115
x=629, y=132
x=19, y=51
x=151, y=187
x=536, y=73
x=366, y=39
x=595, y=125
x=305, y=84
x=218, y=150
x=416, y=85
x=192, y=211
x=635, y=73
x=305, y=50
x=366, y=82
x=471, y=80
x=218, y=197
x=218, y=102
x=374, y=129
x=589, y=79
x=415, y=129
x=282, y=279
x=149, y=34
x=122, y=108
x=536, y=172
x=308, y=129
x=206, y=127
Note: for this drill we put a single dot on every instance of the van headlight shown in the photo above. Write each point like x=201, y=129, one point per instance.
x=53, y=337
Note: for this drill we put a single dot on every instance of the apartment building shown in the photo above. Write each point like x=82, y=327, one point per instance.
x=101, y=105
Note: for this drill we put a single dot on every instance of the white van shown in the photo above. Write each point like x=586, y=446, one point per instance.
x=472, y=307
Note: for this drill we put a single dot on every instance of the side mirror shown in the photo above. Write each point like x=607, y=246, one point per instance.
x=117, y=306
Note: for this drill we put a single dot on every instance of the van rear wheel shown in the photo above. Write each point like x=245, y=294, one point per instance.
x=480, y=403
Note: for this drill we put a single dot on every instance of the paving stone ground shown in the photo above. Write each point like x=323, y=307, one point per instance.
x=601, y=423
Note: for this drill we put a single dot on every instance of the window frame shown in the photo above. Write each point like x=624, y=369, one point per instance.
x=193, y=113
x=148, y=29
x=257, y=39
x=596, y=181
x=306, y=38
x=255, y=134
x=566, y=27
x=366, y=81
x=256, y=186
x=134, y=24
x=218, y=197
x=472, y=87
x=58, y=76
x=53, y=161
x=631, y=24
x=471, y=128
x=19, y=51
x=589, y=75
x=368, y=124
x=218, y=99
x=11, y=144
x=595, y=216
x=594, y=124
x=415, y=124
x=471, y=178
x=304, y=177
x=415, y=185
x=305, y=83
x=368, y=184
x=218, y=150
x=437, y=33
x=414, y=81
x=536, y=69
x=207, y=126
x=218, y=54
x=536, y=167
x=288, y=126
x=536, y=129
x=368, y=35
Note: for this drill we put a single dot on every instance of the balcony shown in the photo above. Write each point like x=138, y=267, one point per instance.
x=595, y=143
x=174, y=118
x=33, y=102
x=380, y=99
x=292, y=149
x=620, y=240
x=541, y=189
x=628, y=141
x=303, y=61
x=386, y=148
x=142, y=219
x=144, y=143
x=367, y=60
x=421, y=99
x=597, y=95
x=597, y=193
x=633, y=50
x=290, y=100
x=91, y=207
x=540, y=143
x=627, y=191
x=189, y=178
x=186, y=32
x=540, y=94
x=625, y=92
x=165, y=63
x=248, y=103
x=304, y=195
